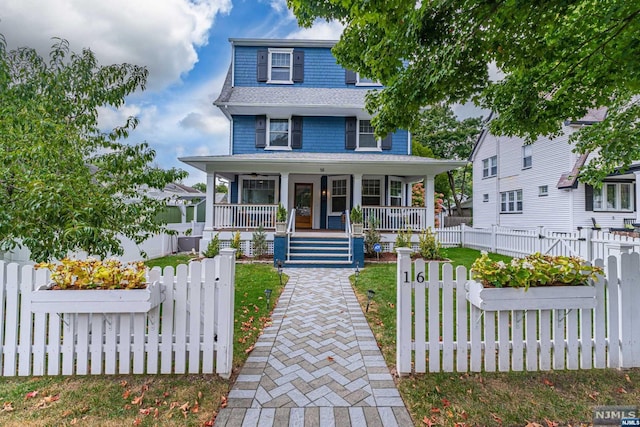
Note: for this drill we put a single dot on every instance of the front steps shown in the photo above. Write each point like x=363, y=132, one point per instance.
x=309, y=250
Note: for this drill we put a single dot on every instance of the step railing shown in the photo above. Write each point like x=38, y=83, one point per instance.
x=349, y=232
x=291, y=229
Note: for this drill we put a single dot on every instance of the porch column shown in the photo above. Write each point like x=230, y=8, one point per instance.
x=209, y=219
x=637, y=174
x=357, y=189
x=429, y=195
x=284, y=189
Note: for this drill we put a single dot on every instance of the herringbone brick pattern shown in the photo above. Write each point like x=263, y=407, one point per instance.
x=318, y=364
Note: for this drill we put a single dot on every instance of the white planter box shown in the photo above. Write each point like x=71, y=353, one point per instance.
x=281, y=228
x=536, y=298
x=357, y=229
x=44, y=300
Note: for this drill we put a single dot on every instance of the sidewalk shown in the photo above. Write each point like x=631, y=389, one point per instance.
x=317, y=365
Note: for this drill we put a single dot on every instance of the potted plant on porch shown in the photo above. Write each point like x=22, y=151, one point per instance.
x=281, y=220
x=356, y=220
x=536, y=282
x=94, y=286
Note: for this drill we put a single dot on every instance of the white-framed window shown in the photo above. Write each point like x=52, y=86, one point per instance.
x=527, y=159
x=371, y=192
x=367, y=140
x=280, y=66
x=279, y=136
x=613, y=196
x=338, y=195
x=485, y=197
x=543, y=190
x=511, y=201
x=490, y=167
x=395, y=192
x=258, y=191
x=365, y=81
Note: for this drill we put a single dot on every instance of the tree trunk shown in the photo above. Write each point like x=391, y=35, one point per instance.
x=452, y=185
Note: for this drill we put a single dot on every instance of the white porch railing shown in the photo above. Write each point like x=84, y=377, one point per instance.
x=245, y=216
x=291, y=229
x=393, y=218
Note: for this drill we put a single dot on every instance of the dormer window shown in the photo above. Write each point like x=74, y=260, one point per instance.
x=280, y=66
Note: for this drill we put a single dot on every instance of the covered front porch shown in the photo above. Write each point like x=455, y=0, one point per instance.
x=318, y=190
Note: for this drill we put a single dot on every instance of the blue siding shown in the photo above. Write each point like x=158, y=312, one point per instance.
x=320, y=68
x=319, y=135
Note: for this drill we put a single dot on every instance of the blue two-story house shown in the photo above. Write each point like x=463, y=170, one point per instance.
x=300, y=136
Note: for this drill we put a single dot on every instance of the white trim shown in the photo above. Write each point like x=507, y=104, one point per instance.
x=275, y=178
x=369, y=84
x=618, y=197
x=402, y=190
x=330, y=180
x=280, y=50
x=381, y=196
x=268, y=136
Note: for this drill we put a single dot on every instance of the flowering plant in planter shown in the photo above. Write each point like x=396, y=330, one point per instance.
x=96, y=274
x=533, y=270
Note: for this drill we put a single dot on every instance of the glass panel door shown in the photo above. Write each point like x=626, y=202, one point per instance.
x=304, y=205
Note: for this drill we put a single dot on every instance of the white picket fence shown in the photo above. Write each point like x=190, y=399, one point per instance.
x=585, y=243
x=191, y=331
x=442, y=332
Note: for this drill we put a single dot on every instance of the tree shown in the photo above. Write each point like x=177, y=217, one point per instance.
x=557, y=58
x=220, y=188
x=64, y=184
x=449, y=138
x=200, y=186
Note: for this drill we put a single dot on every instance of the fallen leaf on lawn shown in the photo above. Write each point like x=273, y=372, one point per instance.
x=156, y=413
x=208, y=423
x=127, y=407
x=621, y=390
x=49, y=399
x=530, y=424
x=223, y=399
x=435, y=410
x=626, y=377
x=249, y=350
x=74, y=421
x=185, y=409
x=547, y=382
x=137, y=422
x=66, y=413
x=446, y=403
x=200, y=395
x=31, y=394
x=126, y=394
x=145, y=387
x=427, y=421
x=496, y=418
x=145, y=411
x=7, y=407
x=137, y=400
x=123, y=383
x=551, y=423
x=464, y=415
x=438, y=389
x=166, y=394
x=195, y=408
x=593, y=395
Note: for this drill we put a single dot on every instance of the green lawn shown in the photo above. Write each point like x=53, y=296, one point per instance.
x=146, y=400
x=487, y=399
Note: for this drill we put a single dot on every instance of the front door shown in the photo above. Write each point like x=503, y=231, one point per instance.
x=304, y=205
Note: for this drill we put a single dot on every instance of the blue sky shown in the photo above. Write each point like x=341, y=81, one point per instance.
x=183, y=43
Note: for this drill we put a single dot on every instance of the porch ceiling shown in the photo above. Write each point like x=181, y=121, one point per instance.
x=323, y=164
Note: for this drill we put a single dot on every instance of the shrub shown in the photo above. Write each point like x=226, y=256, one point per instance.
x=281, y=214
x=259, y=239
x=95, y=274
x=403, y=239
x=236, y=244
x=429, y=245
x=533, y=270
x=356, y=215
x=213, y=248
x=371, y=237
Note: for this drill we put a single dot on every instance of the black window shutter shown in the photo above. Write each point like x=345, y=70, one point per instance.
x=296, y=132
x=588, y=197
x=298, y=66
x=351, y=124
x=263, y=63
x=261, y=131
x=386, y=142
x=349, y=77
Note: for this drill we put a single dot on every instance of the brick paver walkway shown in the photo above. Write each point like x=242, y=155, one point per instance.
x=317, y=365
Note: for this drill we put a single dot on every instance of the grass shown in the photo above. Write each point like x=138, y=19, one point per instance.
x=145, y=400
x=510, y=399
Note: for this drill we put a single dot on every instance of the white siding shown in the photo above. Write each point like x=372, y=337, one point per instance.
x=484, y=213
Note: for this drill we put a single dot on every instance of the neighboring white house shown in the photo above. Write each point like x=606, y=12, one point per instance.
x=519, y=185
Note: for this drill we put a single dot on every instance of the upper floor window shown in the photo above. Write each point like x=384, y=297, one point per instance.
x=490, y=167
x=543, y=190
x=612, y=196
x=370, y=192
x=527, y=161
x=280, y=65
x=360, y=135
x=365, y=81
x=511, y=201
x=366, y=135
x=279, y=133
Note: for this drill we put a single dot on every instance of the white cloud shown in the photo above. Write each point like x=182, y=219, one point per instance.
x=321, y=30
x=162, y=35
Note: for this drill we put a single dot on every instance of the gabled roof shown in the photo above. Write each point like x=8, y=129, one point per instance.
x=283, y=42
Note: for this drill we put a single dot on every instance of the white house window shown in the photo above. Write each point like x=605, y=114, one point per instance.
x=527, y=161
x=543, y=190
x=258, y=191
x=490, y=167
x=485, y=197
x=395, y=193
x=280, y=69
x=365, y=81
x=370, y=192
x=366, y=135
x=339, y=196
x=613, y=197
x=511, y=201
x=279, y=133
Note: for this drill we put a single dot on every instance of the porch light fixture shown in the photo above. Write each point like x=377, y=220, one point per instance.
x=267, y=293
x=370, y=294
x=324, y=193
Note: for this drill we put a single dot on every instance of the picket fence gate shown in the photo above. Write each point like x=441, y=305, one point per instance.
x=438, y=329
x=191, y=331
